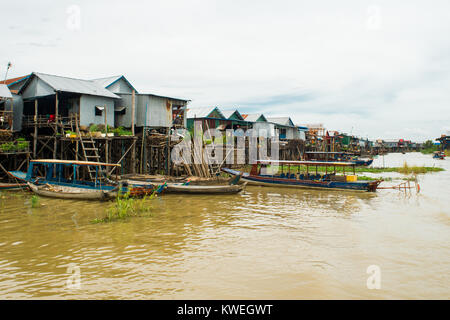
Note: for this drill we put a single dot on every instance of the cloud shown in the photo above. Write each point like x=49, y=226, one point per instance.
x=319, y=61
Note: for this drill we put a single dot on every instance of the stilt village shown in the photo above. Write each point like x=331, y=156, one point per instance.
x=45, y=116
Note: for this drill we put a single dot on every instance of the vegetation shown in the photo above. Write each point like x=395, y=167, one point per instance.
x=93, y=128
x=69, y=132
x=34, y=201
x=120, y=131
x=125, y=207
x=429, y=147
x=15, y=146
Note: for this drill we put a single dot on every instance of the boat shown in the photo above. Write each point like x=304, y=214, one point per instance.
x=439, y=155
x=335, y=157
x=65, y=173
x=214, y=189
x=11, y=186
x=304, y=177
x=231, y=188
x=69, y=192
x=140, y=188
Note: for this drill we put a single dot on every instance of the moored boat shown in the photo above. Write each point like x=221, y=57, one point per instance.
x=439, y=155
x=261, y=175
x=214, y=189
x=11, y=186
x=69, y=192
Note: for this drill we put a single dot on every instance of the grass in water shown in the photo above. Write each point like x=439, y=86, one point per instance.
x=34, y=201
x=416, y=170
x=125, y=207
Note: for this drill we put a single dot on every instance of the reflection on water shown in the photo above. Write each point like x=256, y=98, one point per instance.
x=264, y=243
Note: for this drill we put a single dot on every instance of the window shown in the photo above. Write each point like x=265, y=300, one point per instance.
x=99, y=110
x=120, y=110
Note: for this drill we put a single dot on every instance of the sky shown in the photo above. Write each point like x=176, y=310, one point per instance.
x=376, y=69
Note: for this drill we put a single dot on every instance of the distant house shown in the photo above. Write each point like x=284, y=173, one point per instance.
x=391, y=143
x=14, y=85
x=56, y=98
x=209, y=117
x=260, y=125
x=445, y=142
x=236, y=120
x=285, y=127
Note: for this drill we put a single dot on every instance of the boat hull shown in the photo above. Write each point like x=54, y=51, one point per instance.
x=227, y=189
x=73, y=193
x=306, y=184
x=11, y=186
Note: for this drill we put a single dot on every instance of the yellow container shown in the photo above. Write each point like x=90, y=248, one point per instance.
x=352, y=178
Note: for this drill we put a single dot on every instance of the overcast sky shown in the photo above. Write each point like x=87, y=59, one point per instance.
x=378, y=69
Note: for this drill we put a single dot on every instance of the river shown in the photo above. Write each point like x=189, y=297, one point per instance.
x=265, y=243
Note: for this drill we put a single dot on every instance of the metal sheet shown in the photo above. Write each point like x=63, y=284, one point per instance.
x=4, y=91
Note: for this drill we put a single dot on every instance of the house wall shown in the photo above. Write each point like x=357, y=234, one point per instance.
x=120, y=86
x=37, y=88
x=264, y=129
x=87, y=110
x=159, y=113
x=17, y=112
x=123, y=120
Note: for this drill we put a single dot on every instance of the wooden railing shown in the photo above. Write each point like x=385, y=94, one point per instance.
x=43, y=120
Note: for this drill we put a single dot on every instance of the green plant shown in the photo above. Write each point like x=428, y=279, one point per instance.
x=125, y=207
x=34, y=201
x=120, y=131
x=7, y=147
x=20, y=146
x=93, y=128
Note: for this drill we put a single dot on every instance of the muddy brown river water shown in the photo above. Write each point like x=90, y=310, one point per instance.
x=264, y=243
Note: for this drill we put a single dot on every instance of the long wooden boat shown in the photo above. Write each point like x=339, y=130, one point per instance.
x=215, y=189
x=52, y=172
x=10, y=186
x=307, y=179
x=439, y=155
x=66, y=192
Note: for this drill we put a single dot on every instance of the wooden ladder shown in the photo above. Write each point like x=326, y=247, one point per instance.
x=90, y=153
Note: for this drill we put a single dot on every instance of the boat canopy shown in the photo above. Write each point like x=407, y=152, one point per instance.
x=325, y=152
x=78, y=163
x=307, y=163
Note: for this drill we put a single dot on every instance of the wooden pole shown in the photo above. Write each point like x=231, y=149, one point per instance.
x=133, y=150
x=56, y=109
x=106, y=122
x=35, y=128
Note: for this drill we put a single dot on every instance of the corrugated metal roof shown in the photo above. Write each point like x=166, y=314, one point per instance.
x=65, y=84
x=105, y=82
x=253, y=117
x=229, y=113
x=202, y=112
x=108, y=81
x=13, y=80
x=284, y=121
x=4, y=91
